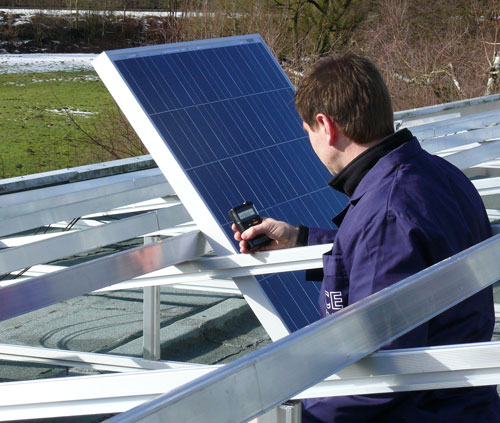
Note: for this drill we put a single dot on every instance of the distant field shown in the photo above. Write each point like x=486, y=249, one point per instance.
x=37, y=131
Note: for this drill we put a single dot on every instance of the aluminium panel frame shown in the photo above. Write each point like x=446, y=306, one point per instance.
x=178, y=179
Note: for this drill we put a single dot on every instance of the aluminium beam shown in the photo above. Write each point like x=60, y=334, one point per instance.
x=415, y=369
x=232, y=266
x=94, y=361
x=453, y=126
x=490, y=169
x=71, y=243
x=213, y=285
x=55, y=191
x=18, y=241
x=39, y=292
x=425, y=120
x=81, y=173
x=50, y=197
x=207, y=285
x=435, y=145
x=369, y=324
x=465, y=107
x=385, y=371
x=36, y=219
x=493, y=214
x=39, y=270
x=148, y=205
x=487, y=186
x=476, y=155
x=87, y=395
x=489, y=190
x=226, y=286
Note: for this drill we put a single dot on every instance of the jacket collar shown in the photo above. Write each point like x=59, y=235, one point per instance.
x=397, y=148
x=347, y=180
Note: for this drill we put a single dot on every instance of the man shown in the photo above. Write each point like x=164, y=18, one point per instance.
x=407, y=210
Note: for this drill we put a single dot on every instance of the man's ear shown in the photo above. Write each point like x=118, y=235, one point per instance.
x=328, y=127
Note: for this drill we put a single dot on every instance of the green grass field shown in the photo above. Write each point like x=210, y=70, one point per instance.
x=37, y=120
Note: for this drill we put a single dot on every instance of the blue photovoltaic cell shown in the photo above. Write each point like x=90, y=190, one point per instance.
x=227, y=114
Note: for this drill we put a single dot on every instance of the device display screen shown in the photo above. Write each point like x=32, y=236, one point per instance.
x=245, y=214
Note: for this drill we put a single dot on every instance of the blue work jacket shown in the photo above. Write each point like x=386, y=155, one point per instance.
x=410, y=211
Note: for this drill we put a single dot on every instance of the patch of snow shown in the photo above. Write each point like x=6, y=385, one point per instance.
x=28, y=63
x=21, y=21
x=68, y=110
x=16, y=84
x=68, y=79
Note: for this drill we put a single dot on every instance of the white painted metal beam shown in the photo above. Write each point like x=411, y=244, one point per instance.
x=457, y=125
x=425, y=120
x=74, y=174
x=446, y=142
x=386, y=371
x=46, y=197
x=86, y=277
x=232, y=266
x=487, y=186
x=450, y=366
x=371, y=323
x=18, y=241
x=493, y=214
x=36, y=219
x=465, y=107
x=143, y=206
x=101, y=362
x=70, y=243
x=476, y=155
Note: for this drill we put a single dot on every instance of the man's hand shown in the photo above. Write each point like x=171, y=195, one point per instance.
x=283, y=235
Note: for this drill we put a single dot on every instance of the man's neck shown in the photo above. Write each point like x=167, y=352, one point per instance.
x=351, y=151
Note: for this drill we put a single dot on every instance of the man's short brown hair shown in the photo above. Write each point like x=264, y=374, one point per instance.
x=350, y=90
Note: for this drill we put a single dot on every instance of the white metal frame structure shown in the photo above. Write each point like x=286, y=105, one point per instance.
x=370, y=323
x=40, y=200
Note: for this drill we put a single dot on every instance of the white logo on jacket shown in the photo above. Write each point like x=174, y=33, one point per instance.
x=333, y=301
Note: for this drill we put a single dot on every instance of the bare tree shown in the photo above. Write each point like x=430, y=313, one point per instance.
x=431, y=52
x=493, y=80
x=321, y=26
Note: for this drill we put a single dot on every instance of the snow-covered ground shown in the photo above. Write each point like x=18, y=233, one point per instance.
x=28, y=13
x=25, y=63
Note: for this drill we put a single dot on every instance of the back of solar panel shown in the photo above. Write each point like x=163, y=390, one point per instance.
x=218, y=118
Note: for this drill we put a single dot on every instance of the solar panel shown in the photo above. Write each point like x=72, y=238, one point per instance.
x=218, y=118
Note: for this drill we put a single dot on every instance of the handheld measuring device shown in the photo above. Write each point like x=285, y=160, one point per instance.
x=244, y=216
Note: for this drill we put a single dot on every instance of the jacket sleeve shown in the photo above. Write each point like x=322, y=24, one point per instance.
x=318, y=236
x=321, y=236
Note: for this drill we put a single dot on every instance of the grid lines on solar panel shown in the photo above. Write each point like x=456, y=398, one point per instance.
x=227, y=115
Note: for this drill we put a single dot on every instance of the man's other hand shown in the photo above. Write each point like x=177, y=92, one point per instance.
x=283, y=235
